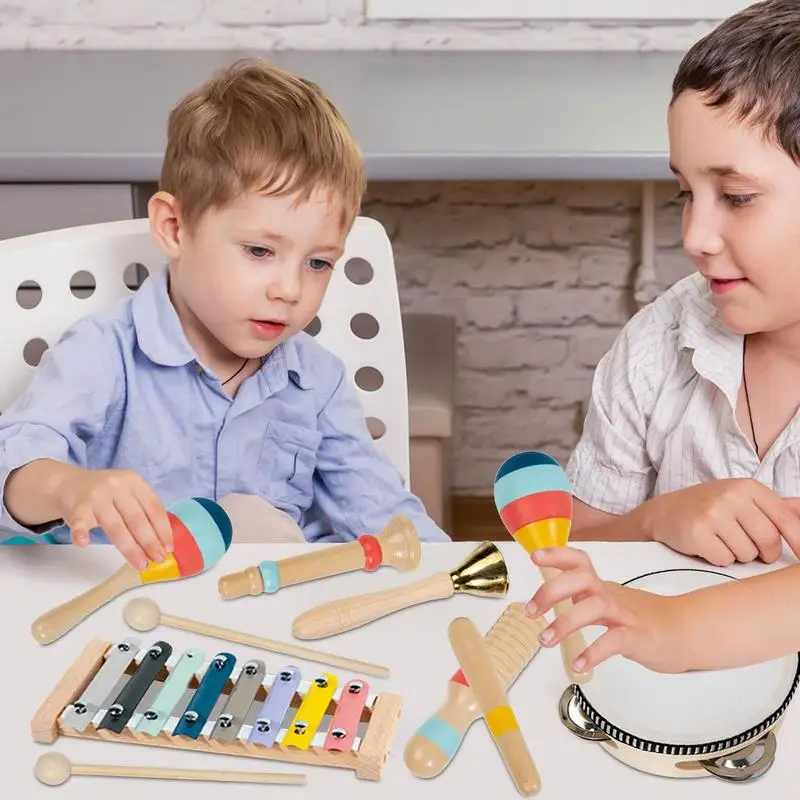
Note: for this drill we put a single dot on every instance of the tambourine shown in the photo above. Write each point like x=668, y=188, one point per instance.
x=688, y=725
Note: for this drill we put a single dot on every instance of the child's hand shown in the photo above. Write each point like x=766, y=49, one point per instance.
x=121, y=503
x=725, y=521
x=642, y=626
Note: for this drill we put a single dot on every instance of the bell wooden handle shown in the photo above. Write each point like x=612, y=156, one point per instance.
x=56, y=622
x=352, y=612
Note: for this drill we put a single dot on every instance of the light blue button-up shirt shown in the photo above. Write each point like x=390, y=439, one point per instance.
x=125, y=390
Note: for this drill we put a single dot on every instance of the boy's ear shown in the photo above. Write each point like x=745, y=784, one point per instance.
x=166, y=227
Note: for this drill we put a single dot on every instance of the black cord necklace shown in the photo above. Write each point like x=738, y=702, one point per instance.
x=746, y=394
x=246, y=361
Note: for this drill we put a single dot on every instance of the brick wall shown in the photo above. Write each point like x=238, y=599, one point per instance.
x=540, y=279
x=297, y=24
x=539, y=276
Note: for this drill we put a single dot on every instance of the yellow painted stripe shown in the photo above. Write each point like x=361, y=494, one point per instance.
x=167, y=570
x=311, y=712
x=552, y=532
x=500, y=720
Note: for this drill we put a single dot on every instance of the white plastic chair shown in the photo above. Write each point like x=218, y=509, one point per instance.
x=359, y=321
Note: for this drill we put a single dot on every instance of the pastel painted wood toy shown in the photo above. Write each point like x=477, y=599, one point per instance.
x=55, y=769
x=143, y=614
x=397, y=545
x=512, y=642
x=533, y=497
x=483, y=572
x=226, y=705
x=201, y=533
x=476, y=663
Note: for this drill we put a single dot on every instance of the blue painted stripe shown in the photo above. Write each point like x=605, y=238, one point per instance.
x=530, y=480
x=220, y=517
x=442, y=734
x=527, y=458
x=204, y=529
x=271, y=576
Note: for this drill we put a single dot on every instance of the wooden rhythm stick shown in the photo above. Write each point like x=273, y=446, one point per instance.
x=397, y=545
x=223, y=704
x=201, y=535
x=482, y=573
x=476, y=663
x=512, y=642
x=55, y=769
x=143, y=614
x=534, y=500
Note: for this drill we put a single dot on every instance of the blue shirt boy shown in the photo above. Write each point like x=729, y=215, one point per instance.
x=124, y=390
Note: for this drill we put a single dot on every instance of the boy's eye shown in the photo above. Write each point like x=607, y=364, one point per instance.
x=683, y=195
x=257, y=252
x=319, y=264
x=738, y=200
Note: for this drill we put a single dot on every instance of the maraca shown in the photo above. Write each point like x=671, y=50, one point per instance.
x=201, y=533
x=533, y=497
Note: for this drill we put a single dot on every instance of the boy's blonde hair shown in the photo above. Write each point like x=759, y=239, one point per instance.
x=256, y=127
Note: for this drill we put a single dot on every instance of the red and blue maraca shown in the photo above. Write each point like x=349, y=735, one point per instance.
x=201, y=535
x=533, y=497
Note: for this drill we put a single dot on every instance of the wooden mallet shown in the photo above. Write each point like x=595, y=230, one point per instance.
x=55, y=769
x=201, y=535
x=143, y=614
x=397, y=545
x=487, y=686
x=534, y=500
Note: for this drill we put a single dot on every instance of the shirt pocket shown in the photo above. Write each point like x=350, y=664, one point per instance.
x=287, y=462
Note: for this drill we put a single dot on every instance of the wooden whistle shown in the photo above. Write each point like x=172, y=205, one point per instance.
x=397, y=545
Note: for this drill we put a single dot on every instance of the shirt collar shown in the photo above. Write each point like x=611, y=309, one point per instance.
x=717, y=351
x=161, y=337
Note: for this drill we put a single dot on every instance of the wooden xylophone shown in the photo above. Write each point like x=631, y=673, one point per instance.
x=165, y=698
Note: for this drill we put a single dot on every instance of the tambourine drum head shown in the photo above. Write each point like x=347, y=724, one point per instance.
x=690, y=708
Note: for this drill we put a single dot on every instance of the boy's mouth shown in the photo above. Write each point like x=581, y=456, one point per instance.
x=725, y=285
x=267, y=328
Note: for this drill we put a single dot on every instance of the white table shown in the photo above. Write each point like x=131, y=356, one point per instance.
x=412, y=642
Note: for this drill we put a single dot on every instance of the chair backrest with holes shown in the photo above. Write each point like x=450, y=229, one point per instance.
x=49, y=280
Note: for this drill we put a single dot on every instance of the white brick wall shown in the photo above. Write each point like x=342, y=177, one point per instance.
x=539, y=277
x=307, y=24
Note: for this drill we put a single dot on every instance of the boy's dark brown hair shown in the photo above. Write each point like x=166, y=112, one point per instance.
x=750, y=65
x=256, y=127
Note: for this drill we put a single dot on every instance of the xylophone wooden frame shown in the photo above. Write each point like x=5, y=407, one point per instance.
x=367, y=762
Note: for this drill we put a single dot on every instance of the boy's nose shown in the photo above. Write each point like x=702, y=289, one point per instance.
x=701, y=235
x=287, y=286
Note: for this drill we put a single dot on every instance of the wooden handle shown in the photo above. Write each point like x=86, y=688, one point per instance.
x=56, y=622
x=574, y=644
x=352, y=612
x=168, y=773
x=291, y=650
x=475, y=661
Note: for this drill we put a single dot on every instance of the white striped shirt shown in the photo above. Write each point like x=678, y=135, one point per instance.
x=662, y=410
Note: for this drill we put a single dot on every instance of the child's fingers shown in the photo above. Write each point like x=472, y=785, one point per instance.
x=592, y=611
x=118, y=533
x=136, y=521
x=156, y=514
x=80, y=527
x=569, y=585
x=604, y=647
x=563, y=558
